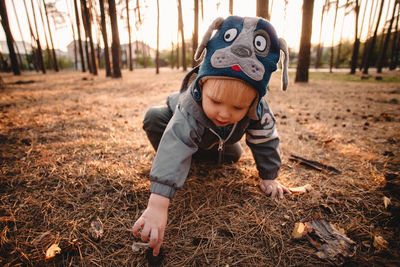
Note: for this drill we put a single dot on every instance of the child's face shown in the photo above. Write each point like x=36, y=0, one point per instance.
x=225, y=110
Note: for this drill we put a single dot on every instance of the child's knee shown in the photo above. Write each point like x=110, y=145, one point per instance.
x=156, y=118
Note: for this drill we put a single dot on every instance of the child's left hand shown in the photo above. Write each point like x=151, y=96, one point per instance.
x=273, y=188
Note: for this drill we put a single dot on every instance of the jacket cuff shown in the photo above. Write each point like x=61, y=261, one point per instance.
x=271, y=175
x=162, y=189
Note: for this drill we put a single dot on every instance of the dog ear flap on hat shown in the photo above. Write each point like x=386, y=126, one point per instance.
x=285, y=63
x=207, y=36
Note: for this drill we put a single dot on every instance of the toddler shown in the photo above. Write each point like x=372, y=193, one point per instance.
x=219, y=102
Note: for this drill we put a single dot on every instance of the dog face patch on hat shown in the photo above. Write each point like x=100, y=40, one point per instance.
x=244, y=48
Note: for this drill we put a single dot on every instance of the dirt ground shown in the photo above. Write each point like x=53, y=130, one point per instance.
x=72, y=151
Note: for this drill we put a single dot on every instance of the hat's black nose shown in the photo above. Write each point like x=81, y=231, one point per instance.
x=241, y=51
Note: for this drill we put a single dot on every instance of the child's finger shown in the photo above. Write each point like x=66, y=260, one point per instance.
x=156, y=249
x=153, y=238
x=145, y=233
x=287, y=190
x=273, y=193
x=280, y=191
x=137, y=226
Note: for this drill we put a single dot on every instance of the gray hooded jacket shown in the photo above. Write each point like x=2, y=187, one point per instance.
x=189, y=129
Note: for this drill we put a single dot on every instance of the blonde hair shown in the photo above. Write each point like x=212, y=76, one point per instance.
x=236, y=90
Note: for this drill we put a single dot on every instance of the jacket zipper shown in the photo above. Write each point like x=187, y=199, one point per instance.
x=221, y=143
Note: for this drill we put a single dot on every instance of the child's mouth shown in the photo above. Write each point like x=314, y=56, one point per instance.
x=221, y=123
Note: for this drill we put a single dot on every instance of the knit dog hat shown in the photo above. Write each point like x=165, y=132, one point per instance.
x=242, y=48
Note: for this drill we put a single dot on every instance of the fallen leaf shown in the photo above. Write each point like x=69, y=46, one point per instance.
x=301, y=189
x=52, y=251
x=298, y=230
x=386, y=202
x=96, y=229
x=380, y=243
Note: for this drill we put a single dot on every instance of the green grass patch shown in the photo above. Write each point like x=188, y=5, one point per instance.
x=346, y=77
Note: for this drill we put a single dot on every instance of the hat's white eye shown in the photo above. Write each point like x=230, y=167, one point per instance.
x=230, y=35
x=260, y=43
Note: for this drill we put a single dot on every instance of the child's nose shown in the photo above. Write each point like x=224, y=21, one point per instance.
x=224, y=113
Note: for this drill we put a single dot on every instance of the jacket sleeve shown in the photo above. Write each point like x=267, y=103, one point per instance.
x=263, y=140
x=172, y=161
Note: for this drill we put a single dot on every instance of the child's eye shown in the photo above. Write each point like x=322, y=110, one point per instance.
x=216, y=101
x=239, y=108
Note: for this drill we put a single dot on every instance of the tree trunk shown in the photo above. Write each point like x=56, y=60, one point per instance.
x=105, y=39
x=368, y=41
x=40, y=52
x=88, y=29
x=305, y=42
x=372, y=46
x=51, y=39
x=196, y=31
x=9, y=37
x=382, y=55
x=34, y=54
x=129, y=36
x=320, y=45
x=262, y=9
x=79, y=36
x=172, y=58
x=158, y=39
x=22, y=37
x=356, y=45
x=395, y=52
x=230, y=6
x=49, y=55
x=177, y=50
x=333, y=37
x=115, y=46
x=182, y=35
x=341, y=38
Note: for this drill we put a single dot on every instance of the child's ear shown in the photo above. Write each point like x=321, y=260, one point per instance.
x=207, y=36
x=285, y=63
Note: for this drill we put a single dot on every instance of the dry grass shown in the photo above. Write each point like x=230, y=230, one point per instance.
x=73, y=149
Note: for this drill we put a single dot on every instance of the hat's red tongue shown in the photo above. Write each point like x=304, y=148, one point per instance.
x=236, y=68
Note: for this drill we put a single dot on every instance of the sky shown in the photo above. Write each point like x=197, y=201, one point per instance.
x=287, y=27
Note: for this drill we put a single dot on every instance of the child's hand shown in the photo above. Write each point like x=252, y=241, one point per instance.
x=273, y=187
x=153, y=222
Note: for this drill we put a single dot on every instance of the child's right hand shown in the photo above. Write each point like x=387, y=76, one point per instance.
x=153, y=222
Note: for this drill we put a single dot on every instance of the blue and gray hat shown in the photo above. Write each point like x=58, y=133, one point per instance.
x=242, y=48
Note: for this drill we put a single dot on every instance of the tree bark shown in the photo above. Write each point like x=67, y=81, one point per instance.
x=129, y=36
x=105, y=39
x=333, y=37
x=182, y=35
x=51, y=39
x=79, y=36
x=115, y=46
x=22, y=37
x=196, y=31
x=49, y=55
x=356, y=45
x=172, y=57
x=305, y=42
x=88, y=29
x=158, y=39
x=262, y=9
x=395, y=52
x=372, y=46
x=230, y=6
x=370, y=24
x=382, y=55
x=9, y=37
x=341, y=38
x=40, y=52
x=320, y=45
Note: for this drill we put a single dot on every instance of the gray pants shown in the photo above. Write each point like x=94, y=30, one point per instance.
x=155, y=122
